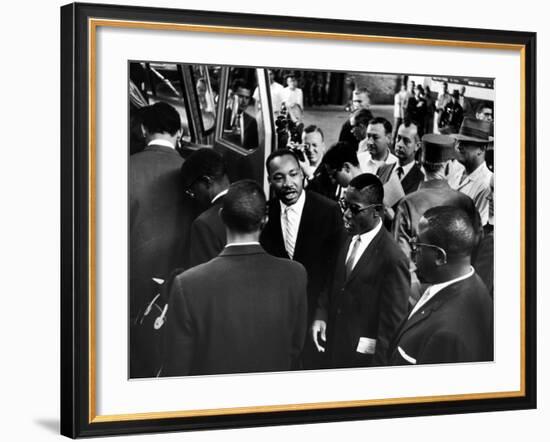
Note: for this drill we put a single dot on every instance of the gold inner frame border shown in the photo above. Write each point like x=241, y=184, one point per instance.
x=93, y=24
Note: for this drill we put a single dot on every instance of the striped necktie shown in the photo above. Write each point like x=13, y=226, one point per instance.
x=290, y=232
x=351, y=258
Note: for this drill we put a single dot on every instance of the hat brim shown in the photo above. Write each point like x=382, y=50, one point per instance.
x=460, y=137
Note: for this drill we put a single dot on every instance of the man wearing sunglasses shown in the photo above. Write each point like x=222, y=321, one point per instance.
x=453, y=320
x=370, y=288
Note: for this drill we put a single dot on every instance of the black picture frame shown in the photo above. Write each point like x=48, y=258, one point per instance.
x=77, y=251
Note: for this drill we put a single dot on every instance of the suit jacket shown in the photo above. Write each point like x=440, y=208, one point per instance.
x=250, y=136
x=320, y=228
x=322, y=184
x=430, y=194
x=347, y=136
x=160, y=219
x=208, y=236
x=410, y=182
x=456, y=325
x=370, y=303
x=243, y=311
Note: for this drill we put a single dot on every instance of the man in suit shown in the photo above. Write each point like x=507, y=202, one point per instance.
x=407, y=170
x=159, y=216
x=360, y=100
x=453, y=320
x=239, y=127
x=303, y=226
x=244, y=311
x=204, y=178
x=370, y=287
x=317, y=176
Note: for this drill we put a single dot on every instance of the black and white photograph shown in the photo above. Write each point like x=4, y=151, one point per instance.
x=283, y=219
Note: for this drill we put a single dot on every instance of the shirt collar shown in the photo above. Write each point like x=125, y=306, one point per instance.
x=250, y=243
x=219, y=195
x=160, y=142
x=480, y=172
x=406, y=168
x=367, y=237
x=298, y=206
x=390, y=159
x=436, y=288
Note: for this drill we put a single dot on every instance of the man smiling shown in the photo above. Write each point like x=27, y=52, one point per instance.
x=304, y=227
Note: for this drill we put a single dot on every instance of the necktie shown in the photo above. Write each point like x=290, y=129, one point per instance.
x=290, y=233
x=351, y=258
x=400, y=173
x=463, y=177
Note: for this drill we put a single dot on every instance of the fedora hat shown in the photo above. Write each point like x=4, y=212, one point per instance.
x=437, y=149
x=475, y=131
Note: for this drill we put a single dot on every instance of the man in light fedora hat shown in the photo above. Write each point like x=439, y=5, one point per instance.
x=471, y=145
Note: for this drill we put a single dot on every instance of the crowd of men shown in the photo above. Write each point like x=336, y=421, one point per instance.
x=375, y=251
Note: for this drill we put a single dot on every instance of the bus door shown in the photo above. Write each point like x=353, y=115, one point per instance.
x=244, y=132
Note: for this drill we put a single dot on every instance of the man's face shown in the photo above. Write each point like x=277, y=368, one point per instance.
x=445, y=88
x=412, y=86
x=407, y=144
x=486, y=114
x=360, y=100
x=378, y=142
x=425, y=257
x=286, y=178
x=243, y=98
x=357, y=221
x=314, y=147
x=271, y=76
x=341, y=177
x=291, y=83
x=462, y=90
x=358, y=130
x=467, y=152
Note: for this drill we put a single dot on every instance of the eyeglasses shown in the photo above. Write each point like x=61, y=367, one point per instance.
x=413, y=242
x=353, y=208
x=188, y=191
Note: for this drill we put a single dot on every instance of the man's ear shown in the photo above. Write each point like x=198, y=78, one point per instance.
x=143, y=131
x=346, y=167
x=441, y=258
x=264, y=221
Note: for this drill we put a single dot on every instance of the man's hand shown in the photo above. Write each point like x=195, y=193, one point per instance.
x=319, y=326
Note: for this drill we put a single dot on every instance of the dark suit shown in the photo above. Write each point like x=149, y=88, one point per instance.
x=243, y=311
x=409, y=182
x=208, y=236
x=370, y=303
x=430, y=194
x=250, y=135
x=160, y=218
x=320, y=228
x=322, y=184
x=347, y=136
x=456, y=325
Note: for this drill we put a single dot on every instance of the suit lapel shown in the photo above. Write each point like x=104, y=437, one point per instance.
x=362, y=264
x=412, y=179
x=385, y=172
x=306, y=221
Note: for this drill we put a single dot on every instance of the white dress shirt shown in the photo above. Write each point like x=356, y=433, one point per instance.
x=219, y=195
x=477, y=186
x=160, y=142
x=294, y=213
x=369, y=165
x=366, y=239
x=291, y=97
x=406, y=169
x=435, y=289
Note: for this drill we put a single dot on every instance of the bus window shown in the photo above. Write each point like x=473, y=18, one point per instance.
x=205, y=97
x=242, y=117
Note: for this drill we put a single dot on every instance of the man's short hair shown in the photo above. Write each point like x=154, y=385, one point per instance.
x=341, y=153
x=160, y=118
x=244, y=207
x=451, y=229
x=408, y=123
x=381, y=120
x=313, y=128
x=361, y=90
x=484, y=105
x=201, y=163
x=362, y=116
x=239, y=83
x=280, y=153
x=370, y=187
